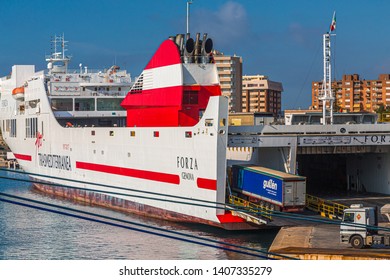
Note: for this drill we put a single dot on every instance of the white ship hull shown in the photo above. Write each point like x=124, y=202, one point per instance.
x=176, y=173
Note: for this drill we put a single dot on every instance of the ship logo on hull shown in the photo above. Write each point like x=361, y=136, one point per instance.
x=187, y=176
x=187, y=163
x=55, y=161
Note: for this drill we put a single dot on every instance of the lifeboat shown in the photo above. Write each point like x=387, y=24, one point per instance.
x=18, y=93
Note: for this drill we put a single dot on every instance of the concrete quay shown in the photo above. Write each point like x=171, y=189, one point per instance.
x=322, y=242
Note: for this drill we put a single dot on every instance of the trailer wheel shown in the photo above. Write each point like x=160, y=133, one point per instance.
x=357, y=242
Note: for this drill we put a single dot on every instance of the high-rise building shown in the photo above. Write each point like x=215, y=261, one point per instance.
x=354, y=95
x=259, y=94
x=230, y=73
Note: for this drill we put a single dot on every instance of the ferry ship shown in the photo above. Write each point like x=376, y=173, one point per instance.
x=155, y=147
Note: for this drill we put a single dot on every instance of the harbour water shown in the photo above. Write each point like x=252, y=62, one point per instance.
x=27, y=233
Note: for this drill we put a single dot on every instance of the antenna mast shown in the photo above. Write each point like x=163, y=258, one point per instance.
x=58, y=61
x=327, y=94
x=188, y=15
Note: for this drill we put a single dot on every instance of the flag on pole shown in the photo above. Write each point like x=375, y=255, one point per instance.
x=333, y=24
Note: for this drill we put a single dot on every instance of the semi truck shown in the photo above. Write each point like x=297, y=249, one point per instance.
x=359, y=227
x=270, y=188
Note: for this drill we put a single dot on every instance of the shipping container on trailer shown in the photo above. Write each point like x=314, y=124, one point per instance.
x=284, y=191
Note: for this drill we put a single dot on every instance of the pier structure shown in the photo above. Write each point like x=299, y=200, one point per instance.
x=360, y=153
x=321, y=242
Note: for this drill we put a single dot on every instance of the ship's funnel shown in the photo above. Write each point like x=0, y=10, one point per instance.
x=198, y=45
x=207, y=45
x=189, y=50
x=190, y=44
x=179, y=42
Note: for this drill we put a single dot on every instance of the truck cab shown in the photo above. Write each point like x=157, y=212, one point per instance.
x=359, y=225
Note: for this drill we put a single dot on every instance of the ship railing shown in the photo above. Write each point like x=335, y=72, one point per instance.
x=96, y=78
x=250, y=207
x=198, y=59
x=325, y=208
x=104, y=93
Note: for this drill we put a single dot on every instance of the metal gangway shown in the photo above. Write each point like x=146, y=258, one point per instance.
x=249, y=211
x=325, y=208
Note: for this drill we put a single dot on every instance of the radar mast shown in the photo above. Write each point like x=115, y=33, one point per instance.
x=58, y=62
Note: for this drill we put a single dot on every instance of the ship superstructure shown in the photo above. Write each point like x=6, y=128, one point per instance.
x=85, y=97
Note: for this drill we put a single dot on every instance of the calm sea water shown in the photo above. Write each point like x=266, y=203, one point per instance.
x=35, y=234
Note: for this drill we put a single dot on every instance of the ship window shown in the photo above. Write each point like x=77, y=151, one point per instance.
x=156, y=133
x=31, y=127
x=190, y=97
x=109, y=104
x=188, y=134
x=84, y=104
x=132, y=133
x=111, y=133
x=62, y=104
x=93, y=132
x=13, y=128
x=119, y=88
x=208, y=122
x=222, y=122
x=27, y=127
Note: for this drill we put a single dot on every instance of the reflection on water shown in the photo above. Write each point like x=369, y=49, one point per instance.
x=34, y=234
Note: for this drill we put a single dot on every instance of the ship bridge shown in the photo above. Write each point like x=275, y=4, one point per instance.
x=345, y=157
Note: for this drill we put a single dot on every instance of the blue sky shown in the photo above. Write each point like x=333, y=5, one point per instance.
x=277, y=38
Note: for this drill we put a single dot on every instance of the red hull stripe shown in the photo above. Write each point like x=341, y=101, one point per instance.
x=136, y=173
x=23, y=157
x=229, y=218
x=207, y=184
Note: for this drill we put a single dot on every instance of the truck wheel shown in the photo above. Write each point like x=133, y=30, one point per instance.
x=357, y=242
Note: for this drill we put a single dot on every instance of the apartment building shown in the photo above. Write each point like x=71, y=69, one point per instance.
x=230, y=73
x=260, y=94
x=353, y=94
